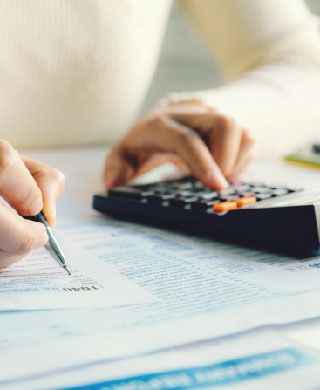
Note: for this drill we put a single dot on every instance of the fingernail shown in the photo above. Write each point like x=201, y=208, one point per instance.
x=111, y=181
x=36, y=206
x=43, y=241
x=107, y=184
x=49, y=210
x=223, y=182
x=217, y=179
x=53, y=216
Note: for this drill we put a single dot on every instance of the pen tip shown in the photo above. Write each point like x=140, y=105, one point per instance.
x=65, y=267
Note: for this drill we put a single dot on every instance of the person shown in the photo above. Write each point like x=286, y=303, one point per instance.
x=75, y=72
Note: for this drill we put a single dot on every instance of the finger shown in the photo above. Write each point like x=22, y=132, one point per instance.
x=51, y=183
x=118, y=169
x=242, y=166
x=17, y=186
x=202, y=119
x=224, y=143
x=245, y=153
x=157, y=160
x=224, y=136
x=198, y=159
x=187, y=102
x=162, y=134
x=18, y=236
x=168, y=136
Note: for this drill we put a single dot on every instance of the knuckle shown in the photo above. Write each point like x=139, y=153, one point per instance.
x=58, y=176
x=157, y=120
x=250, y=141
x=28, y=197
x=6, y=153
x=26, y=244
x=53, y=174
x=188, y=139
x=112, y=160
x=225, y=123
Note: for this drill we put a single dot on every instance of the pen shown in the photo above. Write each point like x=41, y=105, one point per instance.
x=53, y=245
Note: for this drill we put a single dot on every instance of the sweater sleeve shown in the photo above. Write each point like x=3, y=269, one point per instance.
x=269, y=54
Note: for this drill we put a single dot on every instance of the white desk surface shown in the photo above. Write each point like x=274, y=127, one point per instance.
x=83, y=168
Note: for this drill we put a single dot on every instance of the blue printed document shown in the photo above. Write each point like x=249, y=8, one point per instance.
x=259, y=360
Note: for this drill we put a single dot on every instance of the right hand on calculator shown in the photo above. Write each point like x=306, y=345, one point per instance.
x=29, y=187
x=209, y=145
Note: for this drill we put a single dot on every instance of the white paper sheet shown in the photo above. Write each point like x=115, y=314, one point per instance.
x=39, y=282
x=204, y=290
x=258, y=360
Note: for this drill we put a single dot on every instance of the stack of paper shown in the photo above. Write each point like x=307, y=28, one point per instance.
x=136, y=290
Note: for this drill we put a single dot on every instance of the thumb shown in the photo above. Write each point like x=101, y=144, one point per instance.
x=51, y=183
x=118, y=171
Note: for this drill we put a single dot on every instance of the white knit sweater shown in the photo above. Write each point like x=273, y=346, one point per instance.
x=75, y=71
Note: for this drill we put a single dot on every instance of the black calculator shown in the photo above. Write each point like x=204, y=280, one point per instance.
x=271, y=217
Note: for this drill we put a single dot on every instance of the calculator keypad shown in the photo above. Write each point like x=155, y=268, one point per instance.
x=191, y=194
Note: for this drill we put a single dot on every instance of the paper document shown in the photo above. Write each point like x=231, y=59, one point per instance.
x=258, y=360
x=203, y=290
x=39, y=282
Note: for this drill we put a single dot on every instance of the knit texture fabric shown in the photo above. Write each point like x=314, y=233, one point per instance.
x=75, y=71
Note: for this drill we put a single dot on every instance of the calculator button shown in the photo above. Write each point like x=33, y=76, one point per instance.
x=167, y=184
x=260, y=190
x=185, y=193
x=227, y=191
x=161, y=191
x=246, y=201
x=228, y=198
x=129, y=192
x=263, y=196
x=298, y=189
x=224, y=206
x=184, y=186
x=207, y=195
x=280, y=191
x=245, y=193
x=241, y=188
x=257, y=184
x=181, y=202
x=160, y=198
x=198, y=184
x=173, y=186
x=204, y=204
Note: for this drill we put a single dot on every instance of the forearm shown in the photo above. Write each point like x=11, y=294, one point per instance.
x=269, y=53
x=278, y=103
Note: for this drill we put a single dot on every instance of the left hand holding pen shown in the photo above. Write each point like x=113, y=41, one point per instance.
x=29, y=187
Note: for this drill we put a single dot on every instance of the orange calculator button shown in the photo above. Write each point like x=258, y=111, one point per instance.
x=224, y=206
x=245, y=201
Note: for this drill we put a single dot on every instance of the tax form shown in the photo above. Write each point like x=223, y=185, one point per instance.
x=203, y=290
x=39, y=282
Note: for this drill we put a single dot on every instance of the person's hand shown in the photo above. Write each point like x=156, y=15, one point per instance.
x=209, y=145
x=29, y=187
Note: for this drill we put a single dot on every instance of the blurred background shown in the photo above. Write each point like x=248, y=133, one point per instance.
x=185, y=63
